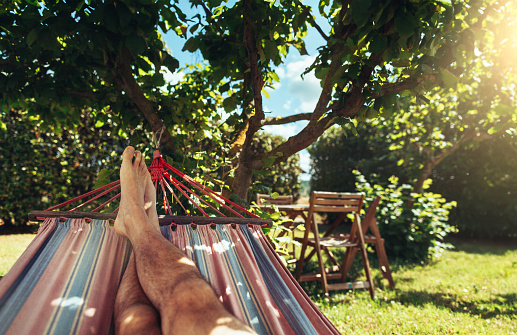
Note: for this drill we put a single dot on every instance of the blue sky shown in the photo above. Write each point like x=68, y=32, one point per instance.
x=292, y=95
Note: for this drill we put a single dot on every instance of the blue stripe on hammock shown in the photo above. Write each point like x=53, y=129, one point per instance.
x=67, y=316
x=283, y=297
x=14, y=299
x=256, y=319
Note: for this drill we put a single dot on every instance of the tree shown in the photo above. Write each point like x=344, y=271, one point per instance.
x=57, y=58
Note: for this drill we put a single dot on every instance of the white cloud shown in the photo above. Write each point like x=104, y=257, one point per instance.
x=172, y=78
x=284, y=130
x=305, y=161
x=307, y=89
x=280, y=72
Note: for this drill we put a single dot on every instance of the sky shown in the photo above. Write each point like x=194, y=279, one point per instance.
x=292, y=95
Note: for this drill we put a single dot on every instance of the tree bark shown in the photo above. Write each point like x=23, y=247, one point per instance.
x=126, y=81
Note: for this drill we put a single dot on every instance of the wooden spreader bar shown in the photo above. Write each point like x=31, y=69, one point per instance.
x=164, y=220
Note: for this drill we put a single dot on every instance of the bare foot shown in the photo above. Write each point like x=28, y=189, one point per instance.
x=150, y=202
x=133, y=179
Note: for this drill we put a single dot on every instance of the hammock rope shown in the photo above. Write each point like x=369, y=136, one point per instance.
x=165, y=178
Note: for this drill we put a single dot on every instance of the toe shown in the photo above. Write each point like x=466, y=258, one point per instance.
x=138, y=159
x=128, y=154
x=143, y=166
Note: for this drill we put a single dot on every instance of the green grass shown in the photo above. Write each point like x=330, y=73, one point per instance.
x=11, y=248
x=470, y=290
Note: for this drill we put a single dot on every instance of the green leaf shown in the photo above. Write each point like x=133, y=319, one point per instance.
x=270, y=49
x=360, y=11
x=405, y=23
x=171, y=63
x=268, y=161
x=449, y=79
x=124, y=15
x=301, y=48
x=378, y=44
x=32, y=36
x=103, y=178
x=191, y=45
x=275, y=216
x=274, y=195
x=136, y=44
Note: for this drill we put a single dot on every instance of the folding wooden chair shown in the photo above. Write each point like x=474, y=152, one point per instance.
x=369, y=222
x=342, y=203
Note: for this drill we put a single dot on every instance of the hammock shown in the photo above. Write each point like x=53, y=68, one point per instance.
x=67, y=279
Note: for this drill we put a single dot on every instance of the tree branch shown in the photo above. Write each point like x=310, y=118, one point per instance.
x=288, y=119
x=126, y=81
x=400, y=86
x=313, y=23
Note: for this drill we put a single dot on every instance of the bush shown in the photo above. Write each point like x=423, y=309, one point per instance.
x=413, y=225
x=41, y=166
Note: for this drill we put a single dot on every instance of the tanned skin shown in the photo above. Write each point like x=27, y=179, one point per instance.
x=162, y=291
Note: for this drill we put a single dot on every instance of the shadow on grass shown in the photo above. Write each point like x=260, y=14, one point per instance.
x=483, y=246
x=503, y=304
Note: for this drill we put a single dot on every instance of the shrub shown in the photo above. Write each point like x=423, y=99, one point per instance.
x=413, y=225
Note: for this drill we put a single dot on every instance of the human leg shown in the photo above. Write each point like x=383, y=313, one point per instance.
x=134, y=313
x=171, y=281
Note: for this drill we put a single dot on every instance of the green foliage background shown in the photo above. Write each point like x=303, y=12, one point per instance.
x=479, y=176
x=483, y=181
x=283, y=178
x=41, y=167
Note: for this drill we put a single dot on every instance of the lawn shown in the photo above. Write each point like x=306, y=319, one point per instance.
x=11, y=247
x=469, y=290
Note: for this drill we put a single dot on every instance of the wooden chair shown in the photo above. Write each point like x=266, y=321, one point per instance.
x=280, y=200
x=369, y=223
x=342, y=203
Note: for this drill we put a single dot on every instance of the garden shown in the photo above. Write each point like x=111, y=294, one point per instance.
x=410, y=101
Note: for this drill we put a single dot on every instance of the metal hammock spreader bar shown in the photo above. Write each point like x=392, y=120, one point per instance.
x=162, y=176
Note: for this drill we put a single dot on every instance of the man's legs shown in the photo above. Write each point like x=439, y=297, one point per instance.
x=134, y=313
x=171, y=281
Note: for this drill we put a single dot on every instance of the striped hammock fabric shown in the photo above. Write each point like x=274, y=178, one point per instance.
x=67, y=279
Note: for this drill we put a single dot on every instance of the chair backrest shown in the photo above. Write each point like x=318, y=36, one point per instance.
x=337, y=202
x=280, y=200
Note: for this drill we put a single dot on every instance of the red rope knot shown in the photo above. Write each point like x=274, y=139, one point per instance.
x=157, y=168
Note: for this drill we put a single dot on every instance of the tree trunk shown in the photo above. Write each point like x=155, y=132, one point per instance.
x=242, y=181
x=424, y=175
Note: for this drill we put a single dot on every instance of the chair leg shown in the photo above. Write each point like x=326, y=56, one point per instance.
x=364, y=255
x=367, y=271
x=321, y=265
x=383, y=261
x=301, y=260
